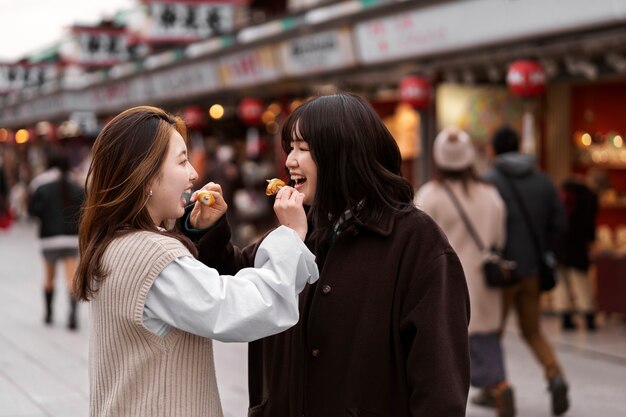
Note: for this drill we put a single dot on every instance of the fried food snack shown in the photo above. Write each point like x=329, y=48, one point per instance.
x=273, y=186
x=205, y=198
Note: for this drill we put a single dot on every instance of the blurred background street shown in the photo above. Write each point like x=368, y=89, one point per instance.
x=553, y=71
x=43, y=370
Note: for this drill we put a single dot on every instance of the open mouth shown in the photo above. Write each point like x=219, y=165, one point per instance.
x=298, y=180
x=186, y=196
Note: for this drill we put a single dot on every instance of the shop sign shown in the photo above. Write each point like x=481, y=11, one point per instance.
x=182, y=81
x=95, y=46
x=117, y=95
x=319, y=52
x=249, y=67
x=463, y=24
x=14, y=77
x=183, y=21
x=37, y=109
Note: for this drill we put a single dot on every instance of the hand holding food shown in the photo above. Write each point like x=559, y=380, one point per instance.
x=273, y=186
x=290, y=211
x=211, y=208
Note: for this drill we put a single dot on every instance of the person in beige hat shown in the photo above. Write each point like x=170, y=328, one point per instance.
x=458, y=192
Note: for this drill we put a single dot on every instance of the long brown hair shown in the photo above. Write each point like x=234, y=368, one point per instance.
x=127, y=155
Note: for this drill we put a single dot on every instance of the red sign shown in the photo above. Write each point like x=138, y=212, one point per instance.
x=526, y=78
x=194, y=117
x=416, y=91
x=250, y=111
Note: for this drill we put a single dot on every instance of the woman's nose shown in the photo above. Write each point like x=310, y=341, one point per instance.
x=291, y=161
x=193, y=175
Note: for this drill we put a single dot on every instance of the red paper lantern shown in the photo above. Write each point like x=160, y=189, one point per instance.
x=250, y=111
x=194, y=117
x=416, y=91
x=526, y=78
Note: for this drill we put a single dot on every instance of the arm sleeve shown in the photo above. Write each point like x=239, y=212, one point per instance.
x=434, y=325
x=216, y=250
x=254, y=303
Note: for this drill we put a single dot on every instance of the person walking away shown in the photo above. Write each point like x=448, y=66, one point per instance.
x=56, y=202
x=539, y=196
x=154, y=307
x=5, y=211
x=384, y=330
x=457, y=183
x=573, y=291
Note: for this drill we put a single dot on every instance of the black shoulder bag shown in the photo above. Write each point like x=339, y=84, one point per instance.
x=498, y=272
x=547, y=260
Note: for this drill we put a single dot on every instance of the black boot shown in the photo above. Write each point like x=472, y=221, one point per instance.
x=558, y=391
x=48, y=296
x=590, y=320
x=72, y=323
x=567, y=323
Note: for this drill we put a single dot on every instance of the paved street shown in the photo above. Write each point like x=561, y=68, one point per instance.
x=43, y=370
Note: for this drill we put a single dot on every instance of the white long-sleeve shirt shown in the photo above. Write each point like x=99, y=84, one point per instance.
x=254, y=303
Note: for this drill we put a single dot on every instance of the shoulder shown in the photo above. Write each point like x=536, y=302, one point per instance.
x=420, y=232
x=146, y=241
x=488, y=190
x=427, y=192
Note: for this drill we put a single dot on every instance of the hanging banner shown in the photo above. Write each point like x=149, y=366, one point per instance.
x=456, y=25
x=95, y=46
x=173, y=21
x=17, y=76
x=319, y=52
x=249, y=67
x=183, y=81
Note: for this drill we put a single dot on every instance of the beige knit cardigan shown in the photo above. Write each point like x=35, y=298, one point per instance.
x=132, y=371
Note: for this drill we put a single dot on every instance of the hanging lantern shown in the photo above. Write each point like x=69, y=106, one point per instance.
x=194, y=117
x=251, y=111
x=526, y=78
x=415, y=91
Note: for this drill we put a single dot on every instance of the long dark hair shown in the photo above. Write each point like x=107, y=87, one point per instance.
x=357, y=160
x=127, y=155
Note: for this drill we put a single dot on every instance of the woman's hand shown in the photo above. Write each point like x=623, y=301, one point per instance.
x=203, y=216
x=290, y=211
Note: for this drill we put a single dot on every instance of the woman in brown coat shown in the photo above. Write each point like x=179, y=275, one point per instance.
x=384, y=331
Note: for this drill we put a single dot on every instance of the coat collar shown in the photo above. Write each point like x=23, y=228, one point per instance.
x=383, y=227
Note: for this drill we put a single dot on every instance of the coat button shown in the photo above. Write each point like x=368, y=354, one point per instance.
x=326, y=289
x=315, y=353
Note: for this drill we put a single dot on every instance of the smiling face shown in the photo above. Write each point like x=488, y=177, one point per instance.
x=175, y=178
x=302, y=169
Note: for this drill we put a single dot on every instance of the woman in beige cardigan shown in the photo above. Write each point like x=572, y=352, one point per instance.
x=154, y=307
x=456, y=178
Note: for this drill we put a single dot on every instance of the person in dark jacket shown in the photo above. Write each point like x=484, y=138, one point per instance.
x=384, y=330
x=56, y=203
x=541, y=200
x=572, y=251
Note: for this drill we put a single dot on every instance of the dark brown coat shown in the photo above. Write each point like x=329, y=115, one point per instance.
x=382, y=333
